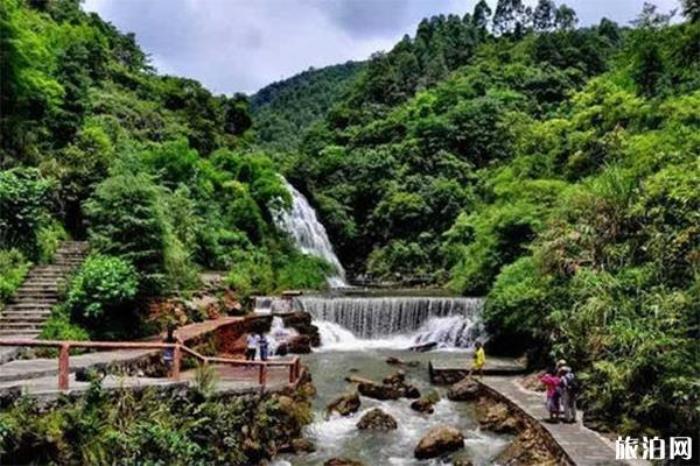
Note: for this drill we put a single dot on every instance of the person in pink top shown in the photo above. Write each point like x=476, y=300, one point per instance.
x=552, y=382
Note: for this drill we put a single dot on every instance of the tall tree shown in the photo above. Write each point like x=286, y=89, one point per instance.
x=691, y=10
x=565, y=18
x=543, y=17
x=481, y=15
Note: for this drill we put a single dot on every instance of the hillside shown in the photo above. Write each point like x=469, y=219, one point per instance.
x=552, y=169
x=283, y=110
x=155, y=171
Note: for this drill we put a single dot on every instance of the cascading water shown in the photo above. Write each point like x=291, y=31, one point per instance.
x=394, y=322
x=309, y=234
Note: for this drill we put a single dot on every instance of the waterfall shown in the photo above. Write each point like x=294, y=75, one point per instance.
x=309, y=234
x=351, y=322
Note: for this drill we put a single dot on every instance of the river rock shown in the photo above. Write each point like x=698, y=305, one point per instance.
x=301, y=322
x=438, y=441
x=342, y=462
x=464, y=390
x=410, y=391
x=496, y=417
x=299, y=344
x=344, y=404
x=304, y=445
x=376, y=419
x=379, y=391
x=397, y=378
x=423, y=405
x=393, y=361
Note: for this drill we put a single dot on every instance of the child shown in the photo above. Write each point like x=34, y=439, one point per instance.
x=552, y=382
x=479, y=359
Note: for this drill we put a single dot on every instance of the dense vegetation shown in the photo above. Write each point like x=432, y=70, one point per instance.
x=554, y=170
x=283, y=110
x=504, y=153
x=154, y=170
x=177, y=427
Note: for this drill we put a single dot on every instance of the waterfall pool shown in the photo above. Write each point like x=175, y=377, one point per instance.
x=339, y=437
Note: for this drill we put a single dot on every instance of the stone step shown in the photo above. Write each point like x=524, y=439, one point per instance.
x=20, y=326
x=33, y=300
x=19, y=319
x=14, y=315
x=40, y=293
x=4, y=333
x=28, y=307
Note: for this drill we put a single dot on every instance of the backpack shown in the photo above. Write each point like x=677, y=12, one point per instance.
x=572, y=383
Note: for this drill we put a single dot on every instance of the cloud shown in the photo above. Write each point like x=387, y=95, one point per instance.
x=242, y=45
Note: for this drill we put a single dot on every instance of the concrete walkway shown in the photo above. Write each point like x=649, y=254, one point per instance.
x=24, y=369
x=583, y=446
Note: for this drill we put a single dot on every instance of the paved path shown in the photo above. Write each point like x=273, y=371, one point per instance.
x=24, y=369
x=584, y=446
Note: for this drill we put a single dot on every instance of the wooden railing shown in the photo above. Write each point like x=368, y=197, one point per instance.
x=64, y=347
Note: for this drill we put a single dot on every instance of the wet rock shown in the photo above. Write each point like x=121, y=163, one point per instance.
x=342, y=462
x=464, y=390
x=344, y=404
x=438, y=441
x=298, y=445
x=397, y=378
x=380, y=391
x=393, y=361
x=299, y=344
x=301, y=322
x=462, y=462
x=530, y=448
x=410, y=391
x=378, y=420
x=424, y=405
x=496, y=417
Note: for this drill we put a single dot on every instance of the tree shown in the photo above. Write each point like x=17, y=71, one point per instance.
x=504, y=16
x=481, y=15
x=544, y=15
x=691, y=10
x=565, y=18
x=650, y=17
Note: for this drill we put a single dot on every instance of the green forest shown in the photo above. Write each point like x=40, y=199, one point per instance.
x=510, y=154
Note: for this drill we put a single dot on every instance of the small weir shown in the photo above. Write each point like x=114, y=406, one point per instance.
x=394, y=321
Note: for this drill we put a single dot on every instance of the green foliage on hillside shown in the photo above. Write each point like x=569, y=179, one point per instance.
x=151, y=426
x=153, y=170
x=554, y=170
x=283, y=110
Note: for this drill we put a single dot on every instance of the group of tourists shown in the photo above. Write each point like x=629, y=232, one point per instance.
x=562, y=389
x=256, y=344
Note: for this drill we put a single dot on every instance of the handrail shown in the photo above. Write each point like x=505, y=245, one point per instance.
x=178, y=348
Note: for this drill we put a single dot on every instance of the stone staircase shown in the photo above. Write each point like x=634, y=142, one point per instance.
x=31, y=305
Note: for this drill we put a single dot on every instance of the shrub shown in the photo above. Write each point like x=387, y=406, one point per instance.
x=23, y=201
x=102, y=285
x=127, y=220
x=49, y=238
x=13, y=268
x=300, y=271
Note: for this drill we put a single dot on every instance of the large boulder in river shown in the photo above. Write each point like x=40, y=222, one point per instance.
x=438, y=441
x=299, y=344
x=376, y=419
x=379, y=391
x=397, y=380
x=465, y=390
x=301, y=322
x=425, y=403
x=342, y=462
x=344, y=404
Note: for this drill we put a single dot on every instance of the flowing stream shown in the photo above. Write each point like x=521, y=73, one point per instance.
x=358, y=334
x=309, y=234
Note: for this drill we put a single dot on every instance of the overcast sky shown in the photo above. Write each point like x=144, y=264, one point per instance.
x=242, y=45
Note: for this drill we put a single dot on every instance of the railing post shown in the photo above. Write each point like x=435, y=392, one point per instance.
x=292, y=370
x=262, y=376
x=297, y=368
x=63, y=366
x=177, y=358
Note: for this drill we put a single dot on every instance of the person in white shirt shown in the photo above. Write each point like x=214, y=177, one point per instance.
x=251, y=346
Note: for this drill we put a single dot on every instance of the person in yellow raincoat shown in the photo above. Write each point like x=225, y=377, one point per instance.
x=479, y=359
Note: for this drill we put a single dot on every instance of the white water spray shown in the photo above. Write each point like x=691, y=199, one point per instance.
x=394, y=322
x=309, y=234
